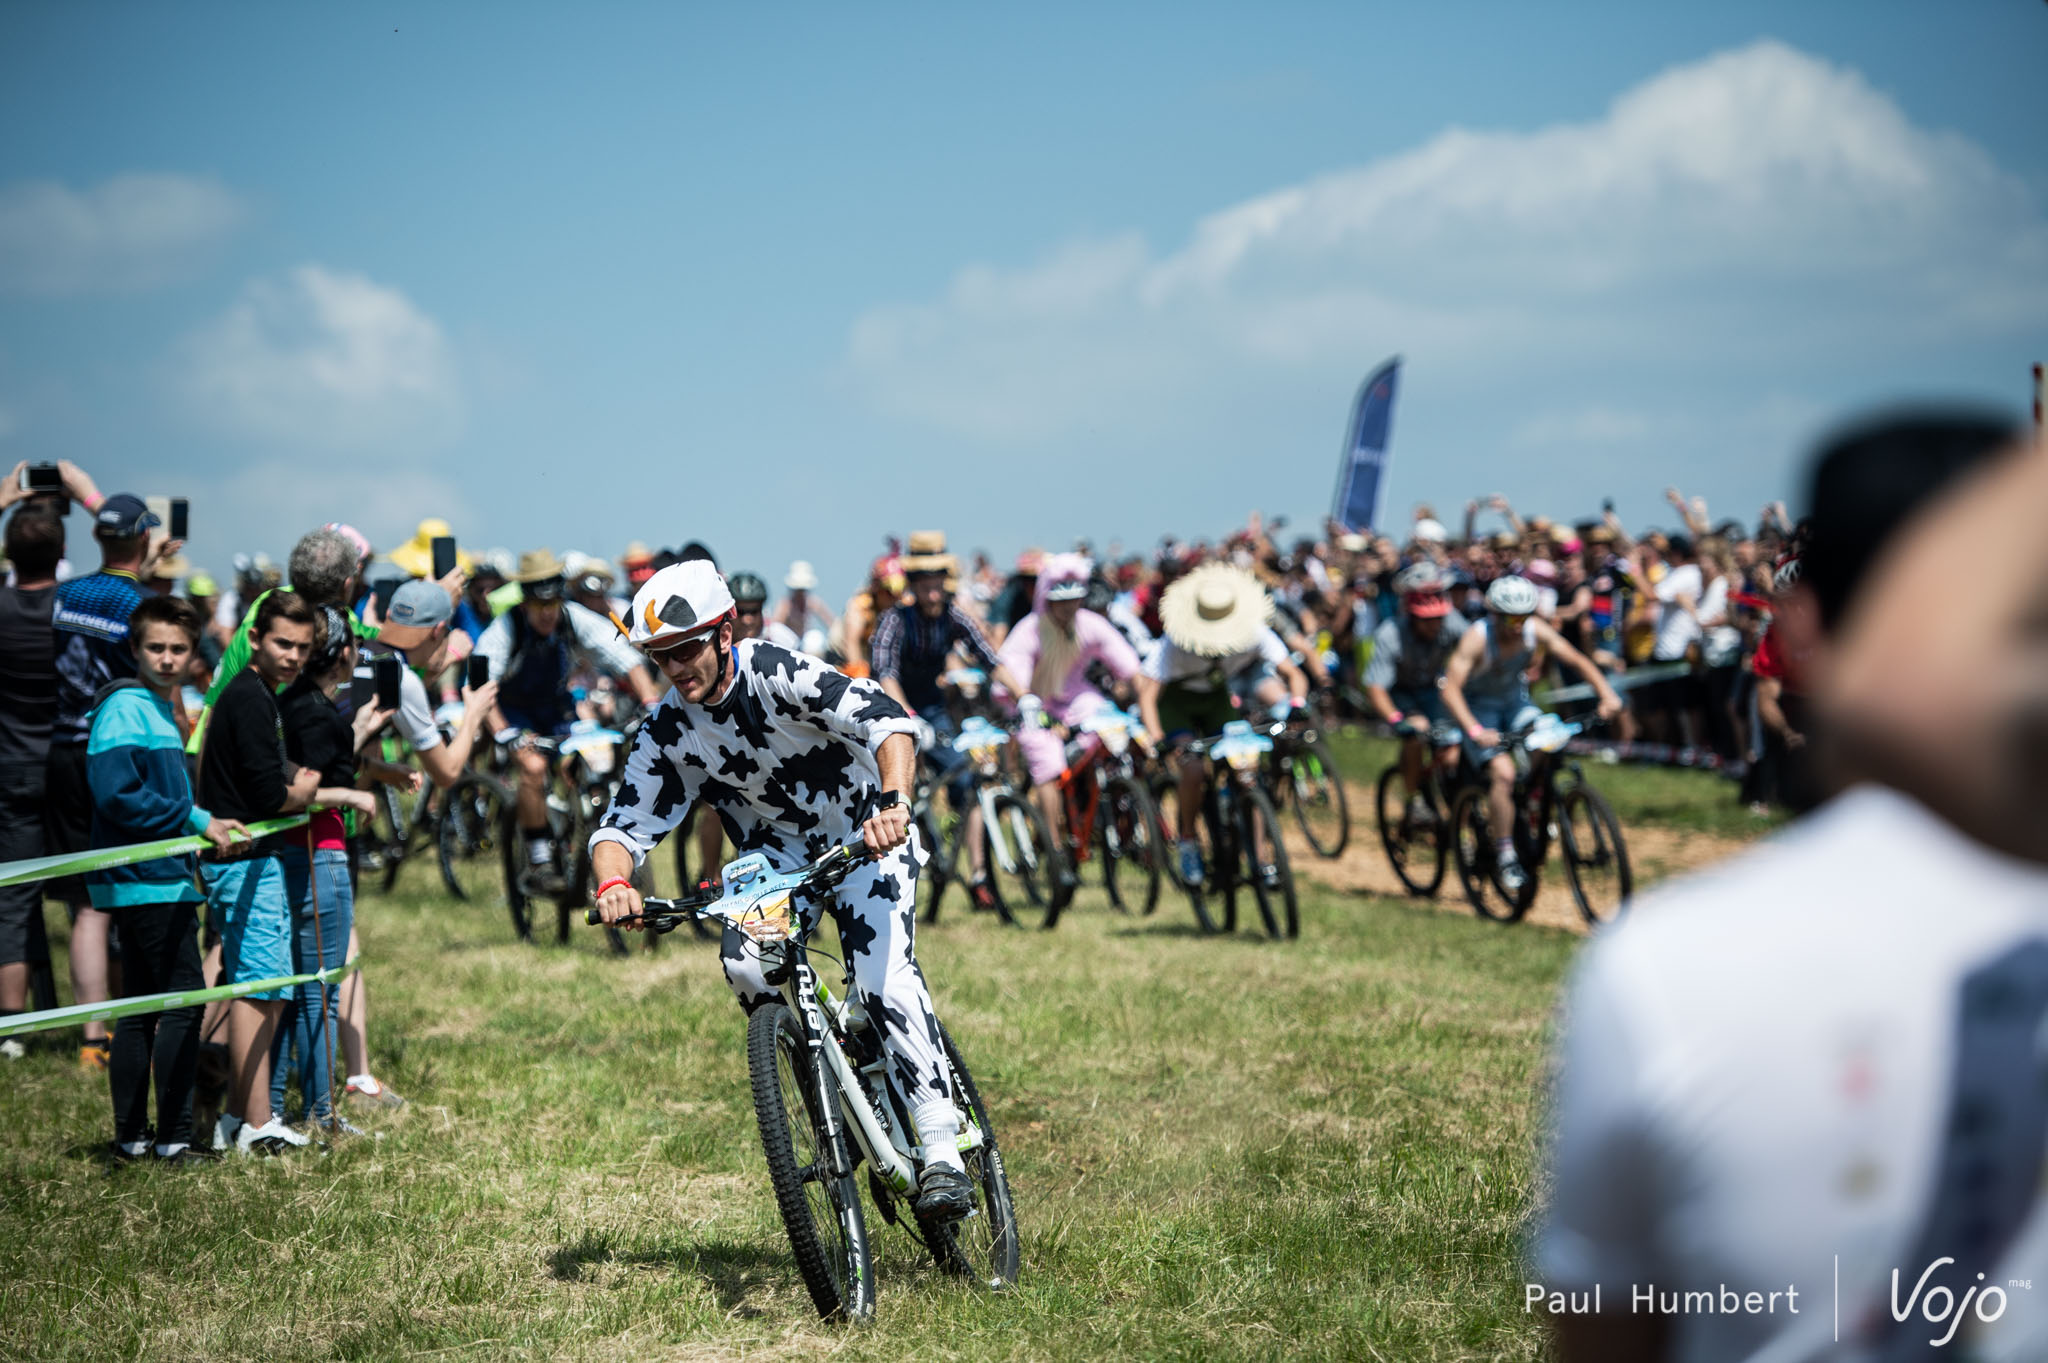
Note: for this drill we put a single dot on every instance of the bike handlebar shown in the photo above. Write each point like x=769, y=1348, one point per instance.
x=664, y=915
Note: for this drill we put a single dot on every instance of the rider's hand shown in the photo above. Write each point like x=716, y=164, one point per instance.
x=1794, y=742
x=1485, y=738
x=888, y=830
x=1609, y=707
x=1414, y=724
x=620, y=901
x=223, y=833
x=1031, y=710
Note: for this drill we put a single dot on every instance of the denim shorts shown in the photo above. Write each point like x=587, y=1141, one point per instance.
x=248, y=898
x=1502, y=714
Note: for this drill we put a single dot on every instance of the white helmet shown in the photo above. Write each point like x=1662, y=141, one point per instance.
x=680, y=602
x=1512, y=595
x=1420, y=577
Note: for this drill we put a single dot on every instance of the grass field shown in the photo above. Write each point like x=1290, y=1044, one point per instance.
x=1219, y=1148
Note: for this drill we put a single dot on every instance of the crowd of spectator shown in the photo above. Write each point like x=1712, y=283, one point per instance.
x=269, y=726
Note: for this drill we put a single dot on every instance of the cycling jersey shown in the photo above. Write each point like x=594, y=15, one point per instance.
x=1173, y=666
x=1403, y=660
x=532, y=670
x=90, y=620
x=1501, y=676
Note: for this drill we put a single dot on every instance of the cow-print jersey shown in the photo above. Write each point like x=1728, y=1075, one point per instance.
x=786, y=759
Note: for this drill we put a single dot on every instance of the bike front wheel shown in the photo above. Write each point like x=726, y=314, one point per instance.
x=1022, y=868
x=1131, y=853
x=1315, y=792
x=1479, y=866
x=821, y=1210
x=1272, y=879
x=1595, y=856
x=1415, y=852
x=983, y=1246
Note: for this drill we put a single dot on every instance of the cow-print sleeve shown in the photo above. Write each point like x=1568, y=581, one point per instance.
x=855, y=709
x=654, y=794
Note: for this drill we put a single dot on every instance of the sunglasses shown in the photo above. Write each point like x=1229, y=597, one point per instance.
x=688, y=651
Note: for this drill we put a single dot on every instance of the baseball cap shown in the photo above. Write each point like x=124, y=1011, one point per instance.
x=122, y=515
x=419, y=604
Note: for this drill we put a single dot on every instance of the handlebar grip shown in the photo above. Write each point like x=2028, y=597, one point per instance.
x=592, y=917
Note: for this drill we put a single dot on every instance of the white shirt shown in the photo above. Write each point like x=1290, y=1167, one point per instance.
x=1676, y=627
x=1755, y=1078
x=1168, y=663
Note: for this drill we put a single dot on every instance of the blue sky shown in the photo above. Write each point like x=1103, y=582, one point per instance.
x=786, y=281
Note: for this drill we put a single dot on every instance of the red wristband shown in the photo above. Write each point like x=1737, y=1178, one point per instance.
x=599, y=893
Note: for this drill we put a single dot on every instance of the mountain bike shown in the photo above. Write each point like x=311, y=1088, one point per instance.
x=579, y=783
x=1236, y=823
x=1302, y=774
x=1106, y=803
x=1016, y=850
x=1552, y=801
x=1418, y=845
x=825, y=1106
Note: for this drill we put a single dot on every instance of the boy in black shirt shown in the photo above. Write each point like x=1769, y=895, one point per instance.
x=244, y=775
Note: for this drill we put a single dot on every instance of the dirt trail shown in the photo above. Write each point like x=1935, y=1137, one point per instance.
x=1654, y=853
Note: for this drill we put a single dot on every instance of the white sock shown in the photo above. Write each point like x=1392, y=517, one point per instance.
x=364, y=1082
x=134, y=1147
x=1504, y=848
x=938, y=1127
x=166, y=1151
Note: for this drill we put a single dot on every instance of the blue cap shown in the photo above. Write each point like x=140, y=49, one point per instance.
x=123, y=515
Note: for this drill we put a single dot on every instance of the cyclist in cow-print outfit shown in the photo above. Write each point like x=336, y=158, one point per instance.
x=795, y=757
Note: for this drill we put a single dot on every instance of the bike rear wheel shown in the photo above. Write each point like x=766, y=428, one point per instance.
x=1021, y=861
x=1416, y=854
x=1315, y=792
x=984, y=1245
x=1130, y=846
x=821, y=1211
x=1595, y=857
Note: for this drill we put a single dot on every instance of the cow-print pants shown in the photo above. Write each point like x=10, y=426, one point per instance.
x=876, y=913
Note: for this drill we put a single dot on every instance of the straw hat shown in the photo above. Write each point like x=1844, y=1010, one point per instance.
x=1215, y=610
x=416, y=555
x=801, y=576
x=538, y=565
x=927, y=554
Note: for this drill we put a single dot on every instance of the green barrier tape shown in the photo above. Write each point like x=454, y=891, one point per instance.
x=76, y=863
x=157, y=1003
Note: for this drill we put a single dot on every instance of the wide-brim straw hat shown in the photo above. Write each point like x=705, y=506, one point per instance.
x=416, y=555
x=801, y=577
x=539, y=565
x=927, y=554
x=1214, y=610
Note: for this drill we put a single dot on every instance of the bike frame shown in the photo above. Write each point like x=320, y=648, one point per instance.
x=756, y=895
x=1082, y=782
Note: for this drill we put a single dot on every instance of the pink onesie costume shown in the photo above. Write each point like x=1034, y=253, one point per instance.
x=1099, y=640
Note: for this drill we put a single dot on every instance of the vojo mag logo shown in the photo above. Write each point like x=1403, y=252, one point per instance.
x=1950, y=1312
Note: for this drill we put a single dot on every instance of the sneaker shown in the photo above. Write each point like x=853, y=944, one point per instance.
x=1421, y=815
x=122, y=1154
x=11, y=1049
x=981, y=896
x=1190, y=861
x=188, y=1155
x=364, y=1090
x=336, y=1126
x=272, y=1138
x=1511, y=875
x=96, y=1055
x=1269, y=875
x=944, y=1194
x=225, y=1130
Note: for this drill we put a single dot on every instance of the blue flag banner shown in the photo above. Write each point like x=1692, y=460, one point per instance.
x=1364, y=468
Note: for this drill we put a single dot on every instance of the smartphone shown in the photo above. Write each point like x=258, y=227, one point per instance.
x=384, y=590
x=181, y=517
x=478, y=670
x=444, y=556
x=42, y=478
x=362, y=686
x=387, y=681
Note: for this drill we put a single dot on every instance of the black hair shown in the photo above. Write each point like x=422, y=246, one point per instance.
x=695, y=550
x=162, y=610
x=1869, y=480
x=35, y=543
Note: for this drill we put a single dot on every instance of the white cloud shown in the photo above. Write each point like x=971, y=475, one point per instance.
x=1760, y=202
x=324, y=360
x=132, y=232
